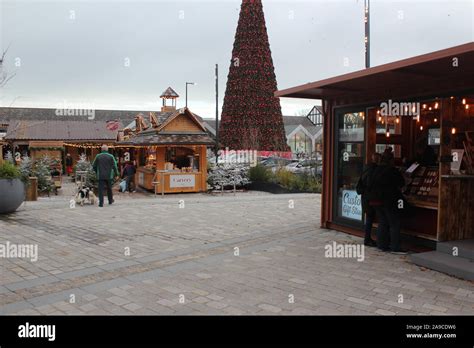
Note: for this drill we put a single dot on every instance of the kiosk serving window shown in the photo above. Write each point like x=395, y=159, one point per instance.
x=350, y=162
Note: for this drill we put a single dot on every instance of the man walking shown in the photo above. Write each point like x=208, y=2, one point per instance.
x=106, y=169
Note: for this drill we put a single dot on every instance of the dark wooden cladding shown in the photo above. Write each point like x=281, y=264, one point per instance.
x=456, y=206
x=435, y=76
x=328, y=170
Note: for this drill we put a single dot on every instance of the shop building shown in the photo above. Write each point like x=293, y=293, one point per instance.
x=420, y=108
x=170, y=151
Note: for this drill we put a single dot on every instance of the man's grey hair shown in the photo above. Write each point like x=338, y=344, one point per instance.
x=105, y=148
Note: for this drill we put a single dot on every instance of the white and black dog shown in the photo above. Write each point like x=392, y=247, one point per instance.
x=84, y=195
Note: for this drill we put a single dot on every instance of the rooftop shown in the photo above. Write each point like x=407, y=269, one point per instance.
x=62, y=130
x=451, y=70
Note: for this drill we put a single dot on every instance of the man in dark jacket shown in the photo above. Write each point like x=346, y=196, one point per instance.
x=362, y=189
x=386, y=197
x=106, y=169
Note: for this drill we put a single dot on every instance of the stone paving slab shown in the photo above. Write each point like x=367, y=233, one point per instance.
x=225, y=255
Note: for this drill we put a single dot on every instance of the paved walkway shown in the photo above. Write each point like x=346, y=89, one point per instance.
x=199, y=254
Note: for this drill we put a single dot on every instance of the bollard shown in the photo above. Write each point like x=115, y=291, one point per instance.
x=32, y=189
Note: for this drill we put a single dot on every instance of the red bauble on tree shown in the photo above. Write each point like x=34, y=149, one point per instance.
x=251, y=115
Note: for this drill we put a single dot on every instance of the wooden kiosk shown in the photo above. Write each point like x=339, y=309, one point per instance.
x=170, y=151
x=431, y=133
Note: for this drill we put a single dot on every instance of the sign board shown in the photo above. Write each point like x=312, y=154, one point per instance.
x=351, y=205
x=412, y=168
x=182, y=181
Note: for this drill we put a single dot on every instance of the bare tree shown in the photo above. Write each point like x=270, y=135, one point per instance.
x=4, y=76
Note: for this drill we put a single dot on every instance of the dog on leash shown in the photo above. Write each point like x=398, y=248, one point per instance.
x=85, y=195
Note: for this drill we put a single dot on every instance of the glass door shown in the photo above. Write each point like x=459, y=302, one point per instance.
x=349, y=163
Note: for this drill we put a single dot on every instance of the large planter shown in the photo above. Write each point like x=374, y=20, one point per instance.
x=12, y=194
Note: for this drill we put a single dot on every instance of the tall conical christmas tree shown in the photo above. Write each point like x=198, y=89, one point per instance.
x=251, y=115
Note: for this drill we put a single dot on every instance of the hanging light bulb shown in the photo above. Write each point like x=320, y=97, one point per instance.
x=387, y=134
x=463, y=101
x=380, y=118
x=453, y=130
x=435, y=120
x=467, y=106
x=436, y=105
x=430, y=108
x=397, y=120
x=424, y=106
x=418, y=118
x=421, y=128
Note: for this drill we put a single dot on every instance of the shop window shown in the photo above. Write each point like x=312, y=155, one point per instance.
x=349, y=164
x=396, y=149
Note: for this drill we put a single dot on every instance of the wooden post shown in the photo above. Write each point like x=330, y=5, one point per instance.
x=448, y=107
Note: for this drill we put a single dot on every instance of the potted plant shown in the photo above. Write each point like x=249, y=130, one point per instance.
x=12, y=188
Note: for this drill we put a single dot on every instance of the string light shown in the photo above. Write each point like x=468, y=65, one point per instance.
x=435, y=120
x=387, y=134
x=421, y=128
x=436, y=105
x=463, y=101
x=453, y=130
x=467, y=106
x=397, y=120
x=424, y=106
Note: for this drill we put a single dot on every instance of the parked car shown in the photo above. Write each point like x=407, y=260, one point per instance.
x=312, y=167
x=276, y=162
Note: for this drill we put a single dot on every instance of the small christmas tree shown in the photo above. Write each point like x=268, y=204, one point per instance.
x=83, y=165
x=26, y=168
x=9, y=157
x=42, y=170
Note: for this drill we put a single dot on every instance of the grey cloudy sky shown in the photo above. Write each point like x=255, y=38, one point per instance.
x=75, y=52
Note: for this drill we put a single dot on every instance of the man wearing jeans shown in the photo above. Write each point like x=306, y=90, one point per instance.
x=362, y=189
x=385, y=196
x=106, y=169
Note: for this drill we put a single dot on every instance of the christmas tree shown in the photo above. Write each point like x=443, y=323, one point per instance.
x=41, y=169
x=9, y=157
x=26, y=168
x=251, y=115
x=83, y=165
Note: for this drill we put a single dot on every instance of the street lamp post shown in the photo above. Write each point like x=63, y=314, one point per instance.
x=188, y=83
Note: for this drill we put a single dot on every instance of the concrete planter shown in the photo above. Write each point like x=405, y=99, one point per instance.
x=12, y=194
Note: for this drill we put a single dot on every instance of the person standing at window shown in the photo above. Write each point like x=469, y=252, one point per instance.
x=362, y=189
x=386, y=197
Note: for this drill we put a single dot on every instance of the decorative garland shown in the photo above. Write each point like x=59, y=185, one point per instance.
x=42, y=148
